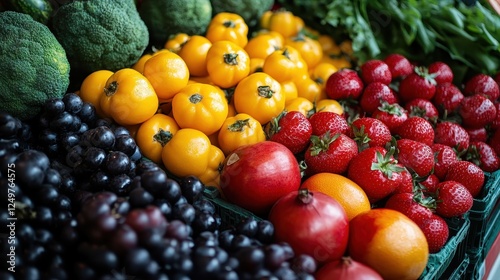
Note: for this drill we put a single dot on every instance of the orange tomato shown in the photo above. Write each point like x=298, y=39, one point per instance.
x=175, y=42
x=139, y=65
x=389, y=242
x=282, y=64
x=227, y=64
x=167, y=72
x=289, y=89
x=321, y=72
x=194, y=53
x=284, y=22
x=153, y=134
x=329, y=105
x=262, y=45
x=309, y=89
x=256, y=65
x=300, y=104
x=309, y=49
x=92, y=88
x=227, y=26
x=349, y=194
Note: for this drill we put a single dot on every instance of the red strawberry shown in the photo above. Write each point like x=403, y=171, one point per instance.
x=414, y=206
x=416, y=156
x=477, y=134
x=419, y=84
x=453, y=200
x=399, y=65
x=407, y=183
x=451, y=134
x=344, y=84
x=370, y=132
x=375, y=70
x=477, y=111
x=418, y=129
x=494, y=142
x=467, y=174
x=447, y=97
x=374, y=94
x=482, y=84
x=444, y=156
x=376, y=171
x=483, y=155
x=329, y=153
x=443, y=72
x=392, y=115
x=324, y=121
x=436, y=232
x=291, y=129
x=422, y=108
x=495, y=124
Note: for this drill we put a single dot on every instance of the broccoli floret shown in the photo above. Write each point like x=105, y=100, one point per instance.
x=249, y=10
x=104, y=34
x=169, y=17
x=33, y=65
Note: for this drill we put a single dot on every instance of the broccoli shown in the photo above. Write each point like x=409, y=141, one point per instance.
x=98, y=35
x=33, y=64
x=169, y=17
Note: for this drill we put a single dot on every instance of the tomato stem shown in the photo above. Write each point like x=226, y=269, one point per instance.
x=195, y=98
x=229, y=24
x=111, y=89
x=162, y=136
x=265, y=91
x=238, y=125
x=231, y=58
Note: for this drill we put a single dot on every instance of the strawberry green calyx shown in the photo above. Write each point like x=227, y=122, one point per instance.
x=393, y=109
x=424, y=73
x=361, y=137
x=386, y=163
x=322, y=143
x=273, y=126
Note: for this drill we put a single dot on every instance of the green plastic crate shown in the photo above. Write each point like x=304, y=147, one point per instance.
x=229, y=213
x=458, y=273
x=485, y=217
x=453, y=252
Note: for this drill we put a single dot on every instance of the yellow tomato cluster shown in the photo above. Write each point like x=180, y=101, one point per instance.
x=198, y=98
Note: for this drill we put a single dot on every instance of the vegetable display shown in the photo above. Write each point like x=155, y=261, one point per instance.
x=255, y=144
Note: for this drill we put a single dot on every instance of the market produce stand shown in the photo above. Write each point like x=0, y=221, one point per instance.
x=221, y=139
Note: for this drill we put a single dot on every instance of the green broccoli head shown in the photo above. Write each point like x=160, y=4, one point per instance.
x=169, y=17
x=104, y=34
x=33, y=64
x=249, y=10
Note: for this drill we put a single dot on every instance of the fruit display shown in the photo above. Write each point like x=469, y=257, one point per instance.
x=226, y=140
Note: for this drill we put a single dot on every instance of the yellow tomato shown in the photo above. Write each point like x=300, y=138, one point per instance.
x=321, y=72
x=260, y=96
x=153, y=134
x=256, y=65
x=289, y=90
x=92, y=89
x=300, y=104
x=309, y=89
x=309, y=49
x=194, y=53
x=281, y=64
x=339, y=60
x=128, y=97
x=265, y=18
x=139, y=65
x=227, y=64
x=187, y=153
x=262, y=45
x=200, y=106
x=327, y=42
x=283, y=22
x=227, y=26
x=175, y=42
x=329, y=105
x=215, y=161
x=239, y=130
x=167, y=72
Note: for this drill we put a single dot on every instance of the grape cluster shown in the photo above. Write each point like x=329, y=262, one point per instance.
x=89, y=206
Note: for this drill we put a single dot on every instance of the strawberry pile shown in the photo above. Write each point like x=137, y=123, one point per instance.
x=411, y=137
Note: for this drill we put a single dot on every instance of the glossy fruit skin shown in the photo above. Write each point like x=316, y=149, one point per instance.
x=374, y=94
x=443, y=72
x=444, y=156
x=417, y=129
x=200, y=106
x=344, y=84
x=291, y=129
x=328, y=121
x=91, y=88
x=252, y=175
x=377, y=183
x=482, y=84
x=375, y=70
x=399, y=65
x=406, y=204
x=226, y=26
x=467, y=174
x=447, y=97
x=194, y=53
x=346, y=268
x=315, y=224
x=417, y=85
x=494, y=142
x=422, y=108
x=369, y=241
x=416, y=156
x=483, y=155
x=477, y=111
x=240, y=130
x=153, y=134
x=436, y=232
x=370, y=132
x=451, y=134
x=330, y=153
x=309, y=49
x=392, y=115
x=128, y=97
x=227, y=63
x=454, y=199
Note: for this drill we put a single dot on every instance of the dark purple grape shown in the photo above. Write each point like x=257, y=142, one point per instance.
x=136, y=261
x=204, y=205
x=29, y=174
x=94, y=157
x=140, y=197
x=43, y=216
x=46, y=195
x=284, y=272
x=170, y=191
x=73, y=103
x=125, y=143
x=146, y=165
x=251, y=259
x=248, y=226
x=205, y=261
x=76, y=124
x=137, y=154
x=87, y=113
x=178, y=230
x=36, y=157
x=184, y=265
x=303, y=263
x=117, y=163
x=206, y=238
x=63, y=203
x=52, y=177
x=62, y=122
x=120, y=184
x=99, y=180
x=226, y=238
x=28, y=272
x=102, y=137
x=240, y=241
x=9, y=126
x=192, y=188
x=48, y=136
x=204, y=222
x=152, y=179
x=83, y=127
x=184, y=212
x=275, y=256
x=104, y=122
x=74, y=157
x=121, y=131
x=123, y=239
x=164, y=207
x=120, y=207
x=265, y=231
x=54, y=106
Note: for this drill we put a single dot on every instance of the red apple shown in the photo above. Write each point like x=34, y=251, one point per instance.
x=255, y=176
